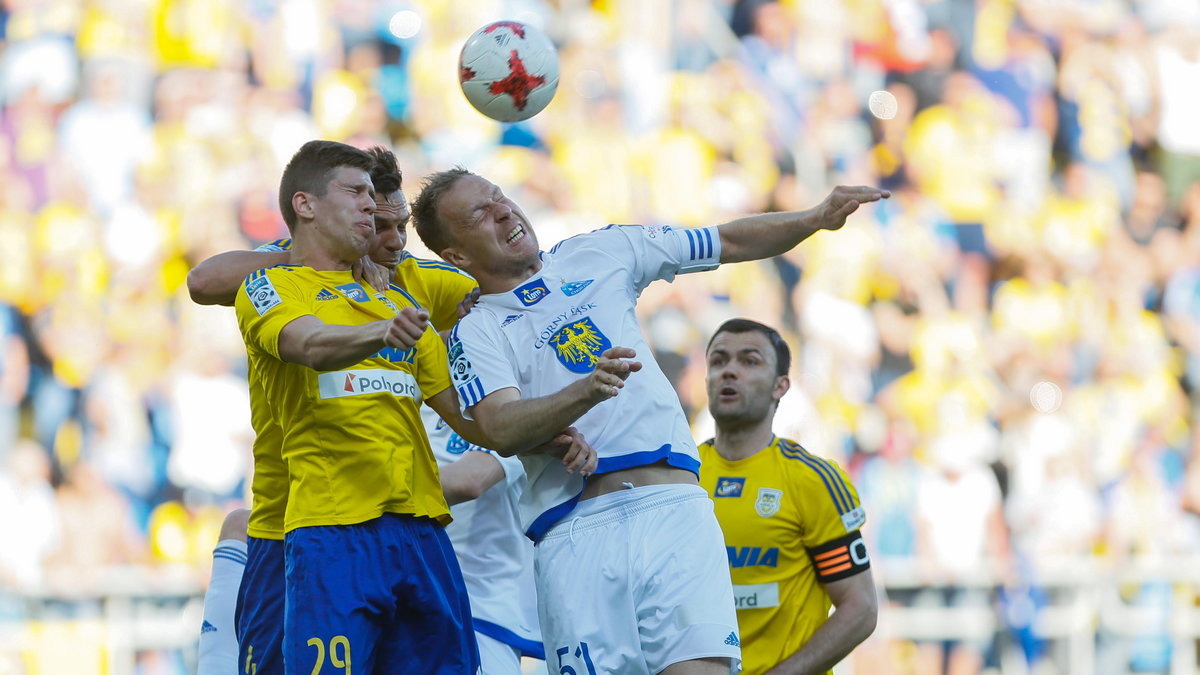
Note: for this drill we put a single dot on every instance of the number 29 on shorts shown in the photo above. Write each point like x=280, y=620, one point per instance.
x=338, y=658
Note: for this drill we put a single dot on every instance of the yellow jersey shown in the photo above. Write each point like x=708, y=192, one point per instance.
x=353, y=442
x=791, y=522
x=436, y=286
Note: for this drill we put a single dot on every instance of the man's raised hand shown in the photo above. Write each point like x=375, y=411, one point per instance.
x=845, y=200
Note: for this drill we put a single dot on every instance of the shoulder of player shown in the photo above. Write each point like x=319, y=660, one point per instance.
x=276, y=246
x=479, y=321
x=600, y=238
x=281, y=273
x=815, y=475
x=398, y=292
x=430, y=268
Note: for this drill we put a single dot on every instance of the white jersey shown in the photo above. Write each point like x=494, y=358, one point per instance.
x=496, y=561
x=549, y=332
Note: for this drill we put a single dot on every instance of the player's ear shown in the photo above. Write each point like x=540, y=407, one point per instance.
x=455, y=257
x=303, y=206
x=782, y=384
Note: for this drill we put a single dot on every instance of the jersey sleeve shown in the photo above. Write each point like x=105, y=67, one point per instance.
x=266, y=302
x=276, y=246
x=832, y=518
x=447, y=286
x=478, y=363
x=433, y=371
x=661, y=252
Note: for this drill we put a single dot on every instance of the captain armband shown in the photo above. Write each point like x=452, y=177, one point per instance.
x=840, y=558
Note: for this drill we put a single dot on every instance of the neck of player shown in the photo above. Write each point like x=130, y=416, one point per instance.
x=739, y=441
x=503, y=281
x=310, y=254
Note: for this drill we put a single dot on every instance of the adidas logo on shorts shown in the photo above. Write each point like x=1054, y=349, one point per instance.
x=733, y=640
x=207, y=627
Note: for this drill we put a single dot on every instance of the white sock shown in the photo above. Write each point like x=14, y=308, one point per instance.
x=218, y=641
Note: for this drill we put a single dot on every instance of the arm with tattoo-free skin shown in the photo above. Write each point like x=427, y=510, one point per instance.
x=514, y=424
x=770, y=234
x=311, y=342
x=856, y=608
x=215, y=281
x=565, y=442
x=472, y=475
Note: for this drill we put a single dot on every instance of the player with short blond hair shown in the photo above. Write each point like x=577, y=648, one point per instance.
x=631, y=572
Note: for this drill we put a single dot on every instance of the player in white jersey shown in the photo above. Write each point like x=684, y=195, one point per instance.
x=497, y=562
x=631, y=569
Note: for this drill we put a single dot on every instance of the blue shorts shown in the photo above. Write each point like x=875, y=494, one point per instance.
x=258, y=618
x=388, y=591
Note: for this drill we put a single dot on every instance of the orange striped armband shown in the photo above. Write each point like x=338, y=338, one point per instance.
x=840, y=558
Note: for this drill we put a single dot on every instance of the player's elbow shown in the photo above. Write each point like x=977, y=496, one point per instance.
x=866, y=614
x=494, y=434
x=204, y=287
x=868, y=622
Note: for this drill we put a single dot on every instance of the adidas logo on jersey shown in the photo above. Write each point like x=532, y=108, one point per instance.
x=510, y=318
x=733, y=640
x=207, y=627
x=326, y=295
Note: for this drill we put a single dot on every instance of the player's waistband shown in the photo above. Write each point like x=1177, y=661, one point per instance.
x=617, y=506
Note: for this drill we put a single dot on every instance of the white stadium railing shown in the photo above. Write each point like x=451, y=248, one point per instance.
x=140, y=610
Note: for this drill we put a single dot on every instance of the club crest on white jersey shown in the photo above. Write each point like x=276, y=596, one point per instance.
x=579, y=344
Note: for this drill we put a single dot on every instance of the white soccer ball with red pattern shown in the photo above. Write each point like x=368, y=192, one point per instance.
x=508, y=70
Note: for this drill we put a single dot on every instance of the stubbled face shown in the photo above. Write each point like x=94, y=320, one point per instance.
x=344, y=216
x=391, y=228
x=743, y=388
x=488, y=231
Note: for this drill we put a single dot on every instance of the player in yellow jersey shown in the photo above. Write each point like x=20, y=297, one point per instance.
x=369, y=570
x=445, y=291
x=790, y=519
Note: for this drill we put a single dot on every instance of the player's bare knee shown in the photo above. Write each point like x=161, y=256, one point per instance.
x=235, y=525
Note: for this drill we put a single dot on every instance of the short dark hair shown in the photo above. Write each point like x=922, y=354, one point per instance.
x=783, y=355
x=309, y=169
x=430, y=228
x=386, y=175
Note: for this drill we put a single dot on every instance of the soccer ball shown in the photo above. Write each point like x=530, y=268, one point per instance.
x=508, y=70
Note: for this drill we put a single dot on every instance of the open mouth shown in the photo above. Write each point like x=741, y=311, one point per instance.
x=515, y=235
x=727, y=392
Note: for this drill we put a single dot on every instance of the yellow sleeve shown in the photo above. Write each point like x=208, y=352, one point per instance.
x=832, y=507
x=436, y=286
x=447, y=289
x=266, y=302
x=433, y=366
x=832, y=518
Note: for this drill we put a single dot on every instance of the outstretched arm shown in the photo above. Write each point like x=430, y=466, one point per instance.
x=856, y=608
x=770, y=234
x=215, y=281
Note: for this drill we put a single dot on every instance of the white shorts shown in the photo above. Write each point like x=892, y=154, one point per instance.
x=497, y=658
x=633, y=581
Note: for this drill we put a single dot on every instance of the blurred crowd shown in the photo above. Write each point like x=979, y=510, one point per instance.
x=1005, y=355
